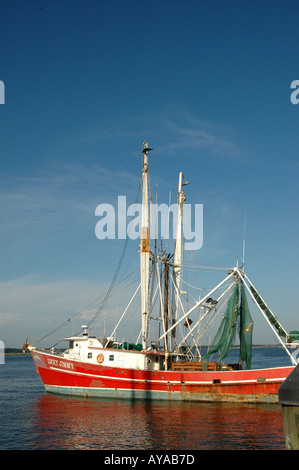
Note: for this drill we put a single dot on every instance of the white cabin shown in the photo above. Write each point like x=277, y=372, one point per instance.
x=94, y=351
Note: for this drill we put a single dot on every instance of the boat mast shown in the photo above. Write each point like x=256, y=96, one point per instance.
x=166, y=279
x=177, y=259
x=144, y=246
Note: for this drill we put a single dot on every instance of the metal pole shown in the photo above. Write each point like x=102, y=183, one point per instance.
x=207, y=313
x=144, y=246
x=198, y=303
x=177, y=259
x=124, y=312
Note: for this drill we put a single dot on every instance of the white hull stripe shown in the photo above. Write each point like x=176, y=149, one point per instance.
x=108, y=377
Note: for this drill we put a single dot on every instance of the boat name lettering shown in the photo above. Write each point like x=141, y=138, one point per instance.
x=67, y=365
x=52, y=362
x=55, y=362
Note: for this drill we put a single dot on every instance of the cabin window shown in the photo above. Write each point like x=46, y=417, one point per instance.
x=111, y=357
x=89, y=355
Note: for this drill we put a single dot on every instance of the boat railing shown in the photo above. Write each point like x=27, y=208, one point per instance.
x=193, y=366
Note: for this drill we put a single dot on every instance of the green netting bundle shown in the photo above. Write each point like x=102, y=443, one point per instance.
x=227, y=330
x=246, y=328
x=293, y=336
x=228, y=327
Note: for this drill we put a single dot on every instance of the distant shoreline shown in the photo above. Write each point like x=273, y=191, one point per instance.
x=19, y=352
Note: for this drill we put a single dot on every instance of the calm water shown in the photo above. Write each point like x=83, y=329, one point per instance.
x=32, y=419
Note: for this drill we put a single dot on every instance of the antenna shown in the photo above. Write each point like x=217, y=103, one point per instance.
x=244, y=239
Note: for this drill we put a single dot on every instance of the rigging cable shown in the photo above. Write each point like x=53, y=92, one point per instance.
x=115, y=274
x=106, y=297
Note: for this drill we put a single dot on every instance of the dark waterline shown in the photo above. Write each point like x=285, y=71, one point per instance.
x=33, y=419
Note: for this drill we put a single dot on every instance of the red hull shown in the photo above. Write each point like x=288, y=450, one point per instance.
x=69, y=377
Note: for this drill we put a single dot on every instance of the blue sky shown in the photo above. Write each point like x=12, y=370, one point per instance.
x=207, y=84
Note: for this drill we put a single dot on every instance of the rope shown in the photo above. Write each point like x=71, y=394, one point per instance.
x=106, y=297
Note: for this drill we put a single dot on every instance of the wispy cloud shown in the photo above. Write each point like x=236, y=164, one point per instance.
x=9, y=318
x=30, y=306
x=191, y=135
x=173, y=132
x=33, y=307
x=57, y=196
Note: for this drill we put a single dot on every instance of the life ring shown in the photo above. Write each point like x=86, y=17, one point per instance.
x=100, y=358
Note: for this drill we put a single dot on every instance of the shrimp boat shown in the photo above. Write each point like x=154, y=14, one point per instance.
x=171, y=366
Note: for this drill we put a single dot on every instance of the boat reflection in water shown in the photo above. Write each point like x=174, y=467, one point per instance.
x=74, y=423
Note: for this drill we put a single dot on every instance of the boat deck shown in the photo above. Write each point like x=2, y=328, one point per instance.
x=198, y=365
